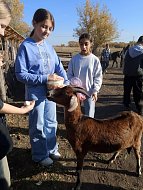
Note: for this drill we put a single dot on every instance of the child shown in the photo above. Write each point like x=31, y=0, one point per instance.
x=87, y=68
x=35, y=64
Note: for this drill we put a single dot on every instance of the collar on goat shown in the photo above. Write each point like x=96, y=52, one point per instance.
x=73, y=103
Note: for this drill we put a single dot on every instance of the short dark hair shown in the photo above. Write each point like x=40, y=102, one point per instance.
x=86, y=36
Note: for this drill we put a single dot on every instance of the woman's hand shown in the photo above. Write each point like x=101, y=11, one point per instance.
x=10, y=109
x=28, y=106
x=81, y=96
x=55, y=81
x=54, y=77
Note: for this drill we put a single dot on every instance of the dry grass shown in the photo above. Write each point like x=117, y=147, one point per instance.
x=72, y=50
x=75, y=50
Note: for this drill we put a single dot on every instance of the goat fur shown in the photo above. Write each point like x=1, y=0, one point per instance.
x=85, y=134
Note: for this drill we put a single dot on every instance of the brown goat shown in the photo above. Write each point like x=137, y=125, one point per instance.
x=103, y=136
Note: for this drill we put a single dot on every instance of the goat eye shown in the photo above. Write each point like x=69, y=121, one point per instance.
x=67, y=94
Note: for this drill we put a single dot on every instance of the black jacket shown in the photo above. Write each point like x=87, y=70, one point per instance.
x=133, y=62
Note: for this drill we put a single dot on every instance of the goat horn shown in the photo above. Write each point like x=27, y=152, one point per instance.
x=80, y=90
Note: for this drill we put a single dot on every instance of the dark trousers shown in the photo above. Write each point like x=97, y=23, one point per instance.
x=135, y=84
x=5, y=148
x=5, y=139
x=104, y=65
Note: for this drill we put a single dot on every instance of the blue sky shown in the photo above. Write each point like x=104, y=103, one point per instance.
x=127, y=13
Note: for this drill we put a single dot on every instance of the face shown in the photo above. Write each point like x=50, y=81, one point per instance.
x=42, y=29
x=3, y=25
x=85, y=46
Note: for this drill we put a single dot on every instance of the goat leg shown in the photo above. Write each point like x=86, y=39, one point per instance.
x=78, y=182
x=113, y=158
x=79, y=168
x=138, y=166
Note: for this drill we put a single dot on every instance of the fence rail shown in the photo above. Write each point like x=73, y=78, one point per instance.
x=65, y=58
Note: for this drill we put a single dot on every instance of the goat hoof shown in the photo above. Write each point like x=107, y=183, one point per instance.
x=110, y=161
x=138, y=171
x=139, y=174
x=75, y=188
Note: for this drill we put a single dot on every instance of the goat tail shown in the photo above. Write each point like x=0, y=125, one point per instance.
x=129, y=150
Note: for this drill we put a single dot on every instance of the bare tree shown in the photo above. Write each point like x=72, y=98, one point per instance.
x=98, y=22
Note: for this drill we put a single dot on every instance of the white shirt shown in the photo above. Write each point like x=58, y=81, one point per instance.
x=88, y=70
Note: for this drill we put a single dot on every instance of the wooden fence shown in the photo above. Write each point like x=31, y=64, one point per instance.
x=8, y=48
x=65, y=58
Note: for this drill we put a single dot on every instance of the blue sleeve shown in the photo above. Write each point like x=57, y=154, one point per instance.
x=22, y=69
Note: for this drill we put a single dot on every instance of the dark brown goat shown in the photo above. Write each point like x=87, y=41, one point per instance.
x=103, y=136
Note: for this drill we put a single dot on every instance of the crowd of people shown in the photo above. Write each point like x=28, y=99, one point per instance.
x=37, y=63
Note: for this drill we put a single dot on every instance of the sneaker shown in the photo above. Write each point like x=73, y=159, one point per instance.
x=46, y=162
x=55, y=156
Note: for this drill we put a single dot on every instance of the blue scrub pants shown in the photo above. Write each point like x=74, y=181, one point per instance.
x=42, y=129
x=89, y=107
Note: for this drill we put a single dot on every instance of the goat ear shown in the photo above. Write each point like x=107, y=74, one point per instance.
x=73, y=103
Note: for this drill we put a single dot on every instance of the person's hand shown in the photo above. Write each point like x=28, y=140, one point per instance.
x=55, y=81
x=28, y=105
x=54, y=77
x=81, y=96
x=94, y=97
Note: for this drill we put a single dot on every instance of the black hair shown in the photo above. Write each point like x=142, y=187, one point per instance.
x=41, y=15
x=86, y=36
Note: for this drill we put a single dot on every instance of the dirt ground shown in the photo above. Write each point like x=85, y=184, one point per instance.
x=97, y=175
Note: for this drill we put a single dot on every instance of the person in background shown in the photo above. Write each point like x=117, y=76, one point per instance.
x=5, y=139
x=105, y=57
x=133, y=76
x=35, y=65
x=122, y=54
x=86, y=67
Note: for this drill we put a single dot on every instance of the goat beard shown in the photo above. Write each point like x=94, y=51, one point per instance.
x=73, y=104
